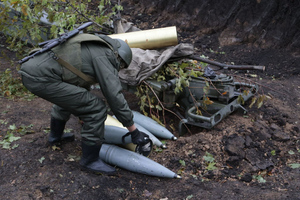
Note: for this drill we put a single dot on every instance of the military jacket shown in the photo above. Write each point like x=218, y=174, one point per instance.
x=93, y=57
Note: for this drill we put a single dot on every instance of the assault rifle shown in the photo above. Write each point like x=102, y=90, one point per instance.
x=49, y=44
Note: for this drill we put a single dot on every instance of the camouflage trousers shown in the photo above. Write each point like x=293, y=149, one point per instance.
x=70, y=99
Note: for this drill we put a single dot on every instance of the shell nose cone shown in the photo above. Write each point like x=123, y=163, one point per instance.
x=177, y=176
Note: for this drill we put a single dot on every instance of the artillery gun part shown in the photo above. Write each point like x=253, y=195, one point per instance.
x=223, y=91
x=214, y=113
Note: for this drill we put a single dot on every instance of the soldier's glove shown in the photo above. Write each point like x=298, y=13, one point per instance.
x=142, y=140
x=139, y=138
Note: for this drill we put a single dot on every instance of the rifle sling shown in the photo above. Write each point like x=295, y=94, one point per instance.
x=73, y=69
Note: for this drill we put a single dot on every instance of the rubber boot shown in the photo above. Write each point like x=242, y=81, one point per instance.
x=91, y=161
x=57, y=132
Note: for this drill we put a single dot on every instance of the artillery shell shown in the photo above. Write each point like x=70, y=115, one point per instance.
x=134, y=162
x=154, y=139
x=152, y=126
x=114, y=132
x=149, y=39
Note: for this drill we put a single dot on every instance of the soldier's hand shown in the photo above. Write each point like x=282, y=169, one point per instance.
x=139, y=138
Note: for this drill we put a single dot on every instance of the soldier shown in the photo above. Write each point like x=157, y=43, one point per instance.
x=98, y=59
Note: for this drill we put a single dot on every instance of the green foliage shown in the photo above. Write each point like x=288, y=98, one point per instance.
x=259, y=178
x=72, y=158
x=209, y=159
x=216, y=52
x=295, y=165
x=3, y=121
x=182, y=168
x=189, y=197
x=182, y=71
x=23, y=130
x=259, y=100
x=68, y=130
x=157, y=149
x=182, y=162
x=10, y=137
x=146, y=99
x=41, y=160
x=12, y=87
x=21, y=19
x=273, y=153
x=291, y=152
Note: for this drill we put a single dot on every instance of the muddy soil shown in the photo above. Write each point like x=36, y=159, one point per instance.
x=253, y=152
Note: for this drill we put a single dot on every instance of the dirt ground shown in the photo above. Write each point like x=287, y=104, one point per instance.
x=253, y=152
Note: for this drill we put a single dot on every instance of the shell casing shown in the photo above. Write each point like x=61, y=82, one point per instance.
x=149, y=39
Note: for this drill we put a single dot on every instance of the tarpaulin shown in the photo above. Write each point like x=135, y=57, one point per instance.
x=146, y=62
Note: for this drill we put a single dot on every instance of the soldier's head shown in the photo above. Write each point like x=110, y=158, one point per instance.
x=125, y=53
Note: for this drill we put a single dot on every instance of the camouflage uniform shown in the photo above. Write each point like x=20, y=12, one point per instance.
x=45, y=77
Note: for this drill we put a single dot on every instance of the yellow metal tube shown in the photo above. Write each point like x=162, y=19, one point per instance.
x=150, y=39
